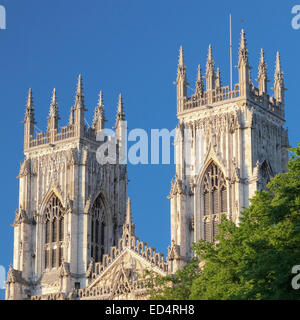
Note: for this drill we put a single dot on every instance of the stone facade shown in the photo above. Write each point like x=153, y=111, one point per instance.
x=229, y=143
x=74, y=238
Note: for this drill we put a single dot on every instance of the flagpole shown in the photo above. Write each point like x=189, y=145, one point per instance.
x=230, y=53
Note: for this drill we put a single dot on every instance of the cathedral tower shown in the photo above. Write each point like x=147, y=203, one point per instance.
x=229, y=144
x=71, y=208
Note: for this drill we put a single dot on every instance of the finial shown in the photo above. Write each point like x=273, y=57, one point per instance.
x=120, y=113
x=199, y=82
x=262, y=74
x=99, y=115
x=210, y=53
x=278, y=62
x=262, y=69
x=54, y=96
x=53, y=113
x=243, y=44
x=210, y=70
x=29, y=114
x=210, y=61
x=53, y=106
x=129, y=212
x=279, y=81
x=79, y=92
x=79, y=85
x=128, y=227
x=243, y=51
x=29, y=99
x=100, y=103
x=181, y=57
x=262, y=56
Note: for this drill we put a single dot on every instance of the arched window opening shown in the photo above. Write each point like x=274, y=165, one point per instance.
x=214, y=200
x=98, y=230
x=54, y=233
x=265, y=175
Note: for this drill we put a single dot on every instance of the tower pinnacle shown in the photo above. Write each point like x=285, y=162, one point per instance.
x=29, y=120
x=262, y=74
x=128, y=227
x=199, y=82
x=181, y=57
x=79, y=99
x=244, y=68
x=120, y=111
x=29, y=113
x=53, y=113
x=77, y=112
x=99, y=114
x=279, y=81
x=181, y=81
x=210, y=70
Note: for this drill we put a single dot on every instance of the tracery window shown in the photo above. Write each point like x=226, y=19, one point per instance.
x=54, y=233
x=265, y=175
x=214, y=199
x=98, y=229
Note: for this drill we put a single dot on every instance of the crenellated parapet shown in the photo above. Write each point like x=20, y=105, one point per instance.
x=77, y=127
x=214, y=93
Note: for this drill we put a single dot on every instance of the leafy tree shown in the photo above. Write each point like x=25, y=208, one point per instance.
x=250, y=261
x=173, y=287
x=255, y=259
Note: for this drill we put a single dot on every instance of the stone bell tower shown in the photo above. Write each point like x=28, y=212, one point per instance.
x=71, y=208
x=229, y=143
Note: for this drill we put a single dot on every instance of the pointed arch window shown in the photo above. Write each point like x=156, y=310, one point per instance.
x=98, y=229
x=266, y=174
x=214, y=200
x=54, y=233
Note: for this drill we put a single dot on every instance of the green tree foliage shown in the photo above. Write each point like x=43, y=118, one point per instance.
x=173, y=287
x=255, y=259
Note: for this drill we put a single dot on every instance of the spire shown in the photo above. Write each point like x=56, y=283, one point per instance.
x=279, y=81
x=218, y=79
x=53, y=113
x=99, y=115
x=120, y=111
x=128, y=227
x=181, y=57
x=210, y=70
x=243, y=43
x=243, y=52
x=181, y=69
x=262, y=74
x=199, y=82
x=29, y=121
x=278, y=63
x=77, y=112
x=29, y=113
x=129, y=212
x=210, y=58
x=79, y=99
x=181, y=81
x=244, y=68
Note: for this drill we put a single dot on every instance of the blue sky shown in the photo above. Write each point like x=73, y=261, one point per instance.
x=128, y=46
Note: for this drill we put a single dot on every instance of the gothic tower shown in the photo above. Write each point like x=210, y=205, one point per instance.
x=229, y=143
x=71, y=208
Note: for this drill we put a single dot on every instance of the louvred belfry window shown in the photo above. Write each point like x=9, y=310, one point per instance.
x=98, y=229
x=214, y=200
x=54, y=233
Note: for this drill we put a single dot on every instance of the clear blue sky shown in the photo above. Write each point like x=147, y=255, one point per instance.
x=128, y=46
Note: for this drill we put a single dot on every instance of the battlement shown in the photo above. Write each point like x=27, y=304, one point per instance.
x=212, y=92
x=76, y=127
